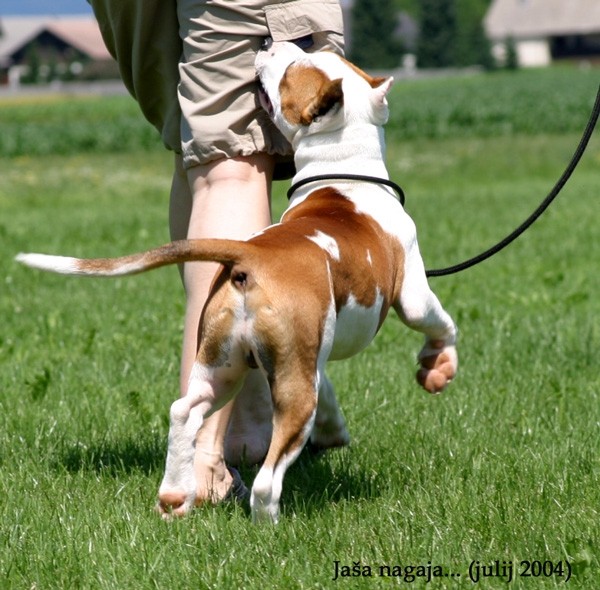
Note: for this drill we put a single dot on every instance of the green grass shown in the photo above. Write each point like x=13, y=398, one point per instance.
x=502, y=466
x=525, y=102
x=73, y=125
x=507, y=103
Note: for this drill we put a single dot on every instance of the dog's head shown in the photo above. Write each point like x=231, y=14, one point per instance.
x=315, y=93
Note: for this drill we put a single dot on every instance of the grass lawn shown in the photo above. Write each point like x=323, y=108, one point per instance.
x=503, y=467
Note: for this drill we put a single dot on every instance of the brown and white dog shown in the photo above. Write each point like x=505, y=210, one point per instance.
x=315, y=286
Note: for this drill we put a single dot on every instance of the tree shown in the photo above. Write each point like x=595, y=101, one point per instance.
x=436, y=47
x=374, y=41
x=472, y=46
x=512, y=57
x=452, y=34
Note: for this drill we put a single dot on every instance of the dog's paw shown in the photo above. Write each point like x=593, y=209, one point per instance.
x=173, y=503
x=439, y=363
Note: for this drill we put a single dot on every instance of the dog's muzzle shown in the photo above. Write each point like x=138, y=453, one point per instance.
x=264, y=100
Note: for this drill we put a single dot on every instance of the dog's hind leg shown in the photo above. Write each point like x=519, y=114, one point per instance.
x=209, y=389
x=295, y=404
x=421, y=310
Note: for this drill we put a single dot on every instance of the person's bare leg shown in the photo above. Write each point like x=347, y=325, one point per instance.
x=228, y=198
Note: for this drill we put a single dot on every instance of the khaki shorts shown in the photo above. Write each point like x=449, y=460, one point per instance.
x=190, y=66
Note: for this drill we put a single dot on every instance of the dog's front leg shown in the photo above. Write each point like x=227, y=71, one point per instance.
x=421, y=310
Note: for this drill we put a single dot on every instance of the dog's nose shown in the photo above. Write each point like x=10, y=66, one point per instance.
x=266, y=43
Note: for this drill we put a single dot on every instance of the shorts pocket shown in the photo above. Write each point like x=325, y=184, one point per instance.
x=301, y=18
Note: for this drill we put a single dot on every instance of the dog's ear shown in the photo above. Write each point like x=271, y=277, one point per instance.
x=379, y=100
x=329, y=95
x=381, y=87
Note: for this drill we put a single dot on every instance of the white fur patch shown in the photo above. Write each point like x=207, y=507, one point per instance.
x=262, y=231
x=68, y=265
x=356, y=326
x=327, y=243
x=60, y=264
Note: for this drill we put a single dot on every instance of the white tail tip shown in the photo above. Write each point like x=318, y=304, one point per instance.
x=60, y=264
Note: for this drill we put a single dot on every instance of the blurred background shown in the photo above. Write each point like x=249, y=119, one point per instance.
x=50, y=44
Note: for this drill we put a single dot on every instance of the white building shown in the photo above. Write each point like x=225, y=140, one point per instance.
x=58, y=41
x=544, y=30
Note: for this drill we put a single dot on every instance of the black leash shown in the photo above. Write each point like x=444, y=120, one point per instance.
x=361, y=177
x=542, y=207
x=440, y=272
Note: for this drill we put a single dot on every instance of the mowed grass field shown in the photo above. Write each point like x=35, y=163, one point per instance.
x=500, y=474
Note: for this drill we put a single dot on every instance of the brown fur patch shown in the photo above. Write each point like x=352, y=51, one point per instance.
x=374, y=81
x=307, y=92
x=370, y=260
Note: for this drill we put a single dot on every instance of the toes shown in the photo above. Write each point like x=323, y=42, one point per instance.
x=437, y=370
x=171, y=503
x=447, y=368
x=432, y=381
x=434, y=361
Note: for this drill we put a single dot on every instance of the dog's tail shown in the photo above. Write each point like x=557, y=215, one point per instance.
x=227, y=252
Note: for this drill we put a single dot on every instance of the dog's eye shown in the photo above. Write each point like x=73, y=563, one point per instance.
x=320, y=113
x=324, y=110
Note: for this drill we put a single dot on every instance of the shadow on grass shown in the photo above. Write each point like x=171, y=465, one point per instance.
x=318, y=480
x=114, y=457
x=312, y=483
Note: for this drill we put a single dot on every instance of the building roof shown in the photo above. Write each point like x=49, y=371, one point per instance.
x=82, y=33
x=542, y=18
x=16, y=32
